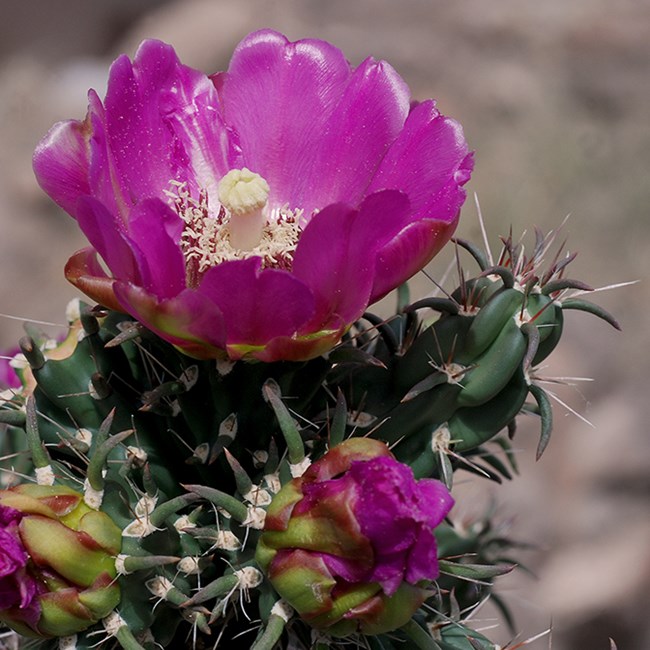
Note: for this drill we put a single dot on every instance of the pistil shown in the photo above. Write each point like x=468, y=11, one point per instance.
x=244, y=195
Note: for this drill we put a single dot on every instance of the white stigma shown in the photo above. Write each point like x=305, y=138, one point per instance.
x=244, y=194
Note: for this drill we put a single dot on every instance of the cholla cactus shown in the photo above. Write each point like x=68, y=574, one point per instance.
x=237, y=452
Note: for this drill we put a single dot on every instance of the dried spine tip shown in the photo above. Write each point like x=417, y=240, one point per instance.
x=44, y=475
x=226, y=541
x=298, y=469
x=159, y=586
x=68, y=642
x=112, y=623
x=92, y=498
x=189, y=565
x=249, y=577
x=255, y=518
x=283, y=610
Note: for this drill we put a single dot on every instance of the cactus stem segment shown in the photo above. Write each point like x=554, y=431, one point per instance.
x=171, y=507
x=273, y=630
x=219, y=587
x=420, y=638
x=230, y=504
x=126, y=564
x=273, y=396
x=98, y=460
x=40, y=457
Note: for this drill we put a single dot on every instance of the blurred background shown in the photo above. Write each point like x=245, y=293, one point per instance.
x=554, y=97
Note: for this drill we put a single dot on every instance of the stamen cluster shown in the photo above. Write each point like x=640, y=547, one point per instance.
x=205, y=240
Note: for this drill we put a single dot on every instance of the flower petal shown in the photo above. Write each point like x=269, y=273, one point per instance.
x=157, y=104
x=258, y=305
x=429, y=161
x=155, y=230
x=408, y=253
x=365, y=122
x=278, y=96
x=85, y=272
x=61, y=163
x=105, y=231
x=336, y=254
x=189, y=320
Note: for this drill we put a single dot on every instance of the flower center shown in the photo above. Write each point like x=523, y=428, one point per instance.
x=243, y=225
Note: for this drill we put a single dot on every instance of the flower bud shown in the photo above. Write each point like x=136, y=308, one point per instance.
x=350, y=543
x=57, y=564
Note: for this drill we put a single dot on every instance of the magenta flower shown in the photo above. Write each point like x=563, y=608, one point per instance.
x=351, y=543
x=18, y=589
x=353, y=189
x=8, y=376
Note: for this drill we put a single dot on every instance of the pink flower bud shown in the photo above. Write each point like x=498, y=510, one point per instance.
x=350, y=544
x=57, y=561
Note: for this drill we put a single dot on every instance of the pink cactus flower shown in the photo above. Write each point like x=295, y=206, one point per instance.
x=350, y=544
x=255, y=213
x=18, y=588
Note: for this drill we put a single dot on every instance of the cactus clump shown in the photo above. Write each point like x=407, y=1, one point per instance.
x=192, y=461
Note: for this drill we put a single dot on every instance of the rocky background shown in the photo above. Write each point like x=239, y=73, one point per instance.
x=554, y=96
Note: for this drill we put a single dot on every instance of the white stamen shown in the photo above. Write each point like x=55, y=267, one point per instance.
x=244, y=195
x=209, y=236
